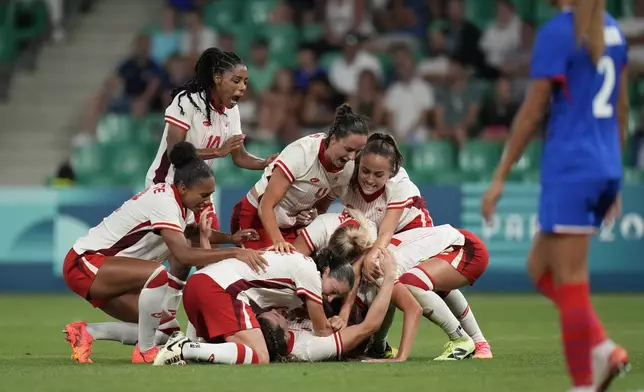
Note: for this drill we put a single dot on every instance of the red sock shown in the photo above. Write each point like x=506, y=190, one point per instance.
x=577, y=320
x=546, y=286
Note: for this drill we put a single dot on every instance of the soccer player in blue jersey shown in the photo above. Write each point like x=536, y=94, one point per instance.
x=579, y=70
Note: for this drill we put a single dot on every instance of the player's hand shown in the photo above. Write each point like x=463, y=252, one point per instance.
x=370, y=268
x=615, y=211
x=233, y=143
x=490, y=198
x=305, y=217
x=269, y=159
x=205, y=227
x=282, y=247
x=338, y=323
x=252, y=258
x=388, y=265
x=245, y=235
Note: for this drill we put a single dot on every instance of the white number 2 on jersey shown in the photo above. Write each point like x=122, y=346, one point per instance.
x=601, y=105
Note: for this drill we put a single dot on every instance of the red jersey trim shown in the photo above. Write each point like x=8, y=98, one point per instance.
x=328, y=166
x=370, y=198
x=176, y=122
x=561, y=79
x=282, y=166
x=309, y=294
x=401, y=204
x=307, y=239
x=167, y=226
x=339, y=346
x=177, y=197
x=291, y=342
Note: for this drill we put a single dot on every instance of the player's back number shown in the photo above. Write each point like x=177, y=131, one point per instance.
x=602, y=108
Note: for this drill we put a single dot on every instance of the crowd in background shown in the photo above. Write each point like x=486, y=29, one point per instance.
x=418, y=68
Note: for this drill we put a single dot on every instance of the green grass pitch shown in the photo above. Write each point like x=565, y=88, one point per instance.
x=522, y=329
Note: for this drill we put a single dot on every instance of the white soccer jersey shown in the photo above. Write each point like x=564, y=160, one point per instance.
x=399, y=192
x=318, y=232
x=311, y=178
x=287, y=280
x=133, y=229
x=305, y=346
x=199, y=132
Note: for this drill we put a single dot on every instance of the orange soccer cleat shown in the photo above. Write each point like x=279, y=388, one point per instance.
x=80, y=341
x=482, y=351
x=144, y=357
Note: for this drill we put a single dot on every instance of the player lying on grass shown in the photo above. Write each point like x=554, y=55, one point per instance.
x=116, y=266
x=435, y=305
x=217, y=301
x=292, y=340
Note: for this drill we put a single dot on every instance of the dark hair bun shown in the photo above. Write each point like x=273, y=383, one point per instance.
x=326, y=258
x=343, y=110
x=182, y=154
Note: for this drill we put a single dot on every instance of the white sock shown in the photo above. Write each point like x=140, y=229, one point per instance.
x=380, y=337
x=151, y=307
x=461, y=309
x=226, y=353
x=169, y=323
x=126, y=333
x=435, y=309
x=191, y=332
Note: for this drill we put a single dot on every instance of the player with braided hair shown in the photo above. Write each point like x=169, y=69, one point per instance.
x=303, y=181
x=204, y=112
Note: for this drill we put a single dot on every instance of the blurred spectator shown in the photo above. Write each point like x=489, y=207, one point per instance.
x=342, y=17
x=308, y=68
x=344, y=70
x=140, y=78
x=457, y=105
x=279, y=108
x=56, y=12
x=409, y=100
x=65, y=176
x=436, y=67
x=178, y=72
x=403, y=22
x=497, y=112
x=261, y=70
x=185, y=5
x=516, y=65
x=462, y=37
x=165, y=42
x=503, y=36
x=197, y=37
x=248, y=108
x=369, y=99
x=227, y=42
x=318, y=108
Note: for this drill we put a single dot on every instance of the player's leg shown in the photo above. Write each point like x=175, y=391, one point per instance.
x=379, y=347
x=460, y=345
x=216, y=317
x=459, y=306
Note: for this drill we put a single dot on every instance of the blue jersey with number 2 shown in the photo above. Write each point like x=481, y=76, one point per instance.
x=581, y=162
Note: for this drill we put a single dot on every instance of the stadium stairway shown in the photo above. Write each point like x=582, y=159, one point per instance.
x=45, y=107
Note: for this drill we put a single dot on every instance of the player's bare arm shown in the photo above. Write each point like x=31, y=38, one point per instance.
x=176, y=135
x=350, y=299
x=321, y=326
x=246, y=160
x=385, y=232
x=402, y=298
x=217, y=237
x=623, y=106
x=275, y=191
x=196, y=257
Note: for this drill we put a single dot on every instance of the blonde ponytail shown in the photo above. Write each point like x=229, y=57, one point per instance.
x=589, y=26
x=348, y=242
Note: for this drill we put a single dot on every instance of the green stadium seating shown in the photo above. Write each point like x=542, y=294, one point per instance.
x=115, y=128
x=480, y=12
x=223, y=14
x=126, y=163
x=283, y=42
x=263, y=149
x=327, y=59
x=544, y=11
x=257, y=12
x=8, y=43
x=633, y=176
x=87, y=162
x=312, y=32
x=478, y=158
x=432, y=160
x=528, y=163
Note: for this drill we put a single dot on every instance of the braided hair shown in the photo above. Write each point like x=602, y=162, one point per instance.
x=347, y=122
x=211, y=62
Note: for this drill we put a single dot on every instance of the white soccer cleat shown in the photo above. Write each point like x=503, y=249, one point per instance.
x=609, y=362
x=170, y=354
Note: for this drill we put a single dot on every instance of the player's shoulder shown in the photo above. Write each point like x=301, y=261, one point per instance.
x=305, y=149
x=560, y=28
x=160, y=194
x=233, y=113
x=187, y=100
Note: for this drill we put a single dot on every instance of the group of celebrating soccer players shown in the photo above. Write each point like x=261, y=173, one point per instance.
x=302, y=284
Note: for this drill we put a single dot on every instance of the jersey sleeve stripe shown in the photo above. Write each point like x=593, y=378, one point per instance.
x=309, y=294
x=174, y=121
x=401, y=204
x=285, y=170
x=340, y=345
x=307, y=239
x=167, y=226
x=336, y=340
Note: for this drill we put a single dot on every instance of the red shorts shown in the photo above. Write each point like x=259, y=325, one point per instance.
x=79, y=272
x=215, y=314
x=471, y=259
x=246, y=216
x=208, y=211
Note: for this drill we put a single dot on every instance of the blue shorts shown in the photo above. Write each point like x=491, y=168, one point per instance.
x=576, y=207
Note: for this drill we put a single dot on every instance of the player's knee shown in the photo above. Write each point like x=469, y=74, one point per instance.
x=157, y=278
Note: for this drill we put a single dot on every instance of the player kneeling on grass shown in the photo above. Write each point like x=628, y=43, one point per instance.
x=217, y=301
x=116, y=267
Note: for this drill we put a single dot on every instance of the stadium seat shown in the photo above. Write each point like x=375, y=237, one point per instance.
x=283, y=42
x=8, y=43
x=126, y=163
x=263, y=149
x=312, y=32
x=258, y=12
x=430, y=160
x=544, y=11
x=480, y=12
x=633, y=176
x=223, y=14
x=327, y=59
x=115, y=128
x=478, y=158
x=87, y=162
x=528, y=163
